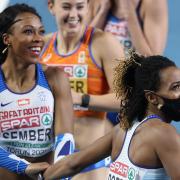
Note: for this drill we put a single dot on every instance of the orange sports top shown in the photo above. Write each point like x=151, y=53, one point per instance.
x=84, y=73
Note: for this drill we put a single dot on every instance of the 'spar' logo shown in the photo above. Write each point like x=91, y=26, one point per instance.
x=47, y=119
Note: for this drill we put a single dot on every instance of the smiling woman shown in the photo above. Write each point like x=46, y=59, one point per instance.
x=33, y=105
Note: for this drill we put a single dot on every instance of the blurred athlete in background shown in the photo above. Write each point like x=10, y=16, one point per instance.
x=88, y=56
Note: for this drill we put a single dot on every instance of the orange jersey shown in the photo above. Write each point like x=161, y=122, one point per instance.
x=84, y=73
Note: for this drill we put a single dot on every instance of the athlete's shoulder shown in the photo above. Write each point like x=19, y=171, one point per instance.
x=103, y=38
x=158, y=133
x=102, y=35
x=103, y=41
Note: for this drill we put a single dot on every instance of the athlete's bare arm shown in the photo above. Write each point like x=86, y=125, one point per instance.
x=151, y=38
x=98, y=11
x=59, y=83
x=168, y=153
x=99, y=103
x=74, y=163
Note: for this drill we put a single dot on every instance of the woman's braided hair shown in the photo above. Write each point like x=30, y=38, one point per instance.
x=132, y=76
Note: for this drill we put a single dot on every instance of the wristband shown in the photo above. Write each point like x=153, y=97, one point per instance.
x=85, y=100
x=12, y=162
x=64, y=145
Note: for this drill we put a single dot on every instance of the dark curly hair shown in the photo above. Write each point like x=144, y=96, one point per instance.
x=132, y=76
x=7, y=18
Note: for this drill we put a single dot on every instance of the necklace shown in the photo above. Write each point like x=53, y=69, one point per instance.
x=152, y=116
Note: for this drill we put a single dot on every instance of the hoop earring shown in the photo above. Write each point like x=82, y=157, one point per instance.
x=5, y=49
x=159, y=106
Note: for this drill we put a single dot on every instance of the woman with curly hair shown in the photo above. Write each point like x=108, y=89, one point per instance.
x=144, y=145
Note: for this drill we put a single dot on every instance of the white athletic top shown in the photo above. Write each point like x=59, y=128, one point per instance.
x=26, y=119
x=124, y=169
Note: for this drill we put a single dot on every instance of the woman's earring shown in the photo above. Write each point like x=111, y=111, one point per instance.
x=5, y=49
x=159, y=106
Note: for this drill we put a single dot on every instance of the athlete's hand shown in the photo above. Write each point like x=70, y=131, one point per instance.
x=77, y=97
x=34, y=169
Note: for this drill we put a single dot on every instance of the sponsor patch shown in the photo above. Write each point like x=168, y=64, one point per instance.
x=131, y=174
x=18, y=123
x=5, y=104
x=119, y=168
x=47, y=119
x=23, y=102
x=78, y=76
x=75, y=71
x=82, y=57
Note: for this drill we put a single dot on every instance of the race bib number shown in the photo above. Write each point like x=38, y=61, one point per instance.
x=78, y=76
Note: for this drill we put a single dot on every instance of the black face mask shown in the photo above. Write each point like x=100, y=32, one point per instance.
x=171, y=108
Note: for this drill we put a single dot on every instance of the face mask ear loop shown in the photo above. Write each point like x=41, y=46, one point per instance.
x=159, y=106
